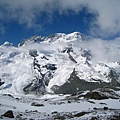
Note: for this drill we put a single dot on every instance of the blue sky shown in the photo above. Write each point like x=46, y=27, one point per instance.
x=60, y=24
x=23, y=19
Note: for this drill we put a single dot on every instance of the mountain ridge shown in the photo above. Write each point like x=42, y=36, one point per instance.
x=53, y=38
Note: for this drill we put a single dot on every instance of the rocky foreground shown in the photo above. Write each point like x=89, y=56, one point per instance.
x=99, y=104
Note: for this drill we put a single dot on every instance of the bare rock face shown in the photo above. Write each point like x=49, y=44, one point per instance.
x=102, y=93
x=9, y=114
x=97, y=94
x=75, y=84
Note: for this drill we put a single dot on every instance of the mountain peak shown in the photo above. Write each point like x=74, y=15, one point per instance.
x=8, y=44
x=76, y=33
x=53, y=38
x=76, y=36
x=30, y=40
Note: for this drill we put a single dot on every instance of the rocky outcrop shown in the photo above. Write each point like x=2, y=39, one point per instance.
x=75, y=84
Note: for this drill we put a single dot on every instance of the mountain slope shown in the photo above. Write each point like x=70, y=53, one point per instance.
x=48, y=64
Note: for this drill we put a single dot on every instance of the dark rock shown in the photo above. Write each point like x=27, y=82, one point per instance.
x=114, y=77
x=22, y=42
x=63, y=116
x=34, y=111
x=1, y=117
x=91, y=102
x=37, y=104
x=60, y=103
x=55, y=112
x=87, y=53
x=71, y=58
x=9, y=114
x=51, y=66
x=59, y=117
x=67, y=49
x=105, y=108
x=102, y=93
x=94, y=118
x=95, y=95
x=33, y=53
x=26, y=88
x=8, y=95
x=80, y=114
x=103, y=103
x=19, y=116
x=46, y=99
x=116, y=117
x=1, y=82
x=95, y=108
x=69, y=101
x=44, y=57
x=17, y=99
x=75, y=84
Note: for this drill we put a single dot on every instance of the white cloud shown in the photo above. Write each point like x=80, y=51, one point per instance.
x=108, y=19
x=26, y=12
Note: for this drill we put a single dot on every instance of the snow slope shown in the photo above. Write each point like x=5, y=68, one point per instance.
x=93, y=60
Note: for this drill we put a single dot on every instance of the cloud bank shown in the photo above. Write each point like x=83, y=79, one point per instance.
x=29, y=12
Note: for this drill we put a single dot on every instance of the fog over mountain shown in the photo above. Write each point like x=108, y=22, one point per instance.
x=53, y=59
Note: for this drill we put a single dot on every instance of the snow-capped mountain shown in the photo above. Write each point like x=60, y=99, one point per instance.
x=52, y=38
x=59, y=63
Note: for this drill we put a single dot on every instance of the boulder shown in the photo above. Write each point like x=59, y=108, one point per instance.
x=37, y=104
x=9, y=114
x=95, y=95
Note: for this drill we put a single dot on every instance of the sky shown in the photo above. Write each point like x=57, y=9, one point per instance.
x=21, y=19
